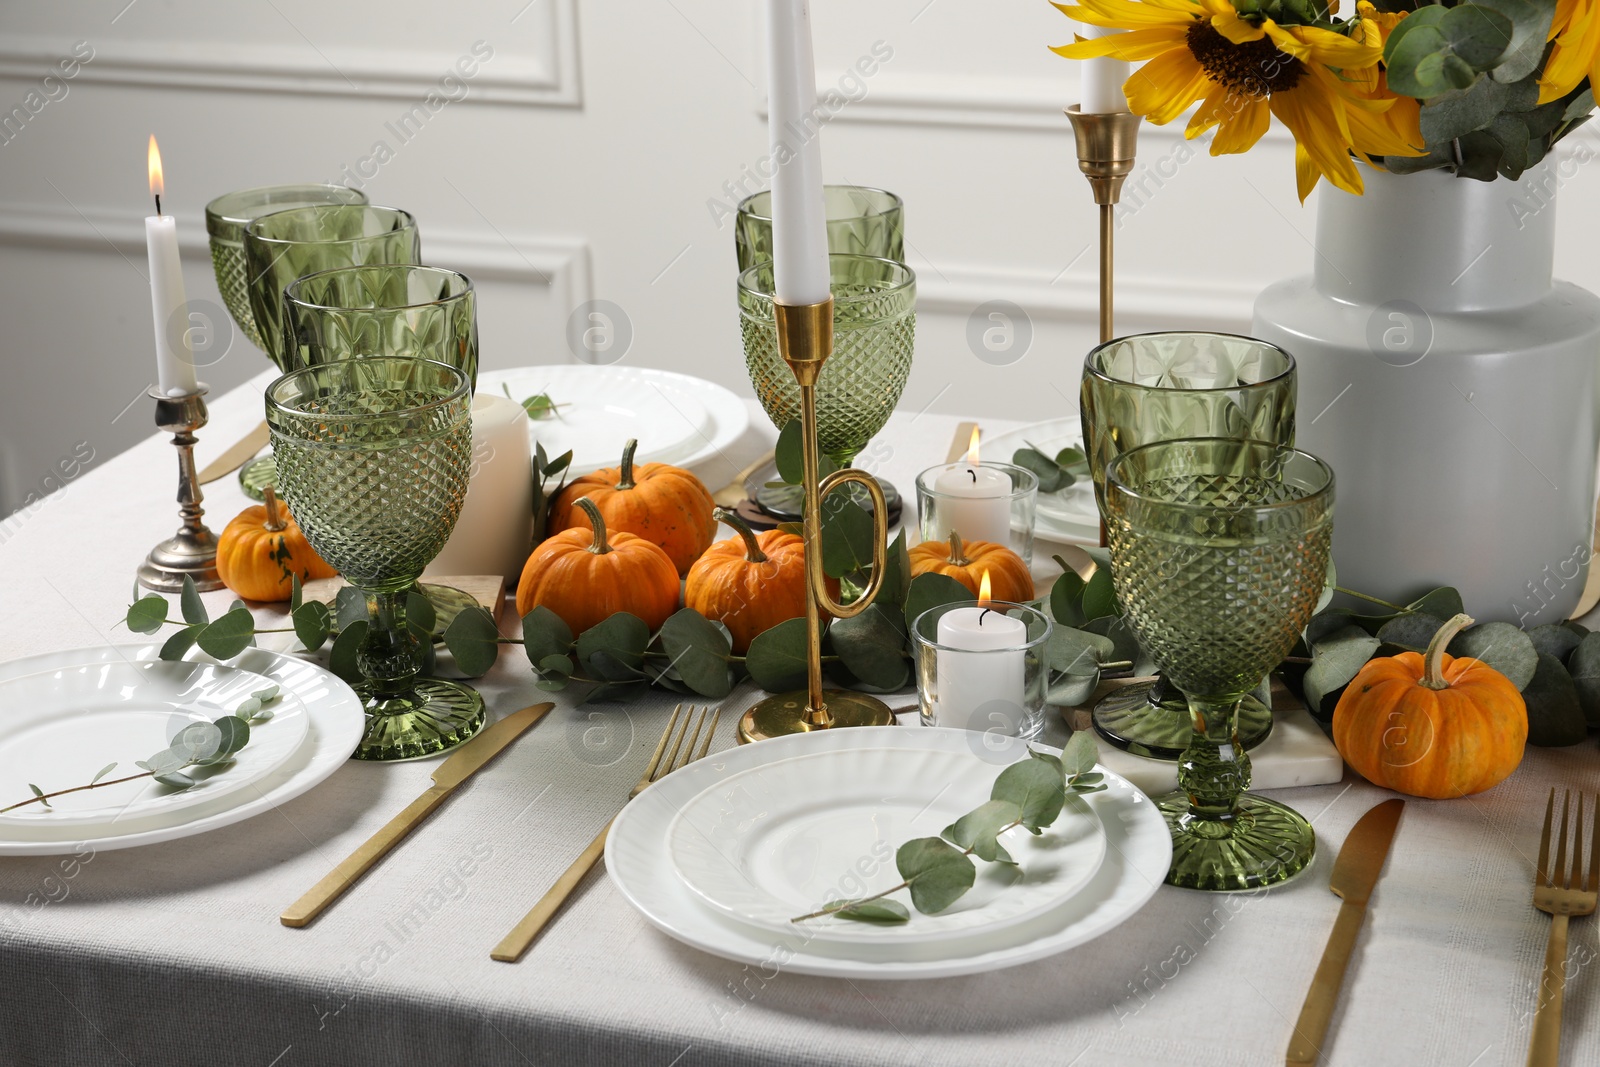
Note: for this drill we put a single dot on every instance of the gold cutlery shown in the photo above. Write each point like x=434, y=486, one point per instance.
x=1561, y=891
x=462, y=764
x=515, y=943
x=960, y=442
x=734, y=493
x=1355, y=873
x=237, y=454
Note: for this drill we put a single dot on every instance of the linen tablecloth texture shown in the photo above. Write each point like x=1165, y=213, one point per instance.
x=173, y=954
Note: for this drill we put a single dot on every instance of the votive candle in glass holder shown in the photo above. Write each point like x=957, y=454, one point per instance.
x=992, y=502
x=980, y=667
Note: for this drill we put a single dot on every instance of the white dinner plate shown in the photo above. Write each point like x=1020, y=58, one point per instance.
x=785, y=838
x=1138, y=852
x=335, y=721
x=676, y=418
x=60, y=727
x=1068, y=514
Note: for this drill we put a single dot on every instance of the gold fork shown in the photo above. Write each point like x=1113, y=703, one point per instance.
x=1561, y=892
x=515, y=943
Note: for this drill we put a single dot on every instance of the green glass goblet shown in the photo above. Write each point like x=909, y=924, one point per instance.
x=1218, y=553
x=385, y=310
x=861, y=221
x=374, y=457
x=227, y=219
x=1160, y=387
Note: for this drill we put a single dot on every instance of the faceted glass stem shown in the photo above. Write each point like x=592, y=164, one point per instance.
x=388, y=659
x=1215, y=768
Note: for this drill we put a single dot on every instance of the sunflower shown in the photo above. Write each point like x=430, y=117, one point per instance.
x=1242, y=72
x=1576, y=33
x=1381, y=123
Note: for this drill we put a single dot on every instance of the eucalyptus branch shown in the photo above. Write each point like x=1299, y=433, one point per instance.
x=1369, y=599
x=45, y=798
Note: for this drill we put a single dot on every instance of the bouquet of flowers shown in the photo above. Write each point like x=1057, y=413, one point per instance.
x=1479, y=87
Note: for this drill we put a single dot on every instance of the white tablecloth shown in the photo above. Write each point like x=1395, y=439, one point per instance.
x=173, y=954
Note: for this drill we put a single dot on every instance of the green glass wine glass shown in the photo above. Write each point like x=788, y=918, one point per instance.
x=227, y=218
x=1160, y=387
x=374, y=456
x=385, y=310
x=1219, y=548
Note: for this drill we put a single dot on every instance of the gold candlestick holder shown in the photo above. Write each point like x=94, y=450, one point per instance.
x=1106, y=148
x=192, y=551
x=805, y=340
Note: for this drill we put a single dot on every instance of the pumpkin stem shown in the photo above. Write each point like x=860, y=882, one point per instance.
x=1433, y=660
x=601, y=543
x=958, y=551
x=752, y=547
x=275, y=523
x=625, y=474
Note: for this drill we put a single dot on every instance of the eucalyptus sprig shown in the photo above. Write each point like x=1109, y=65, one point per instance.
x=1057, y=472
x=200, y=745
x=938, y=871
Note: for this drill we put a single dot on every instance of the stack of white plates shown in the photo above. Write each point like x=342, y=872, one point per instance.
x=66, y=715
x=1068, y=514
x=676, y=418
x=723, y=854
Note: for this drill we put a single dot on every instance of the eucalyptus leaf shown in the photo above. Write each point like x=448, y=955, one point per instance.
x=197, y=742
x=228, y=636
x=1081, y=753
x=878, y=912
x=1555, y=640
x=1117, y=630
x=40, y=794
x=1555, y=717
x=421, y=616
x=1035, y=788
x=698, y=650
x=1066, y=597
x=473, y=640
x=930, y=590
x=1580, y=105
x=1099, y=597
x=776, y=659
x=787, y=453
x=873, y=646
x=1052, y=477
x=175, y=780
x=936, y=872
x=1530, y=28
x=1458, y=114
x=545, y=634
x=166, y=761
x=1076, y=651
x=248, y=707
x=1442, y=603
x=979, y=829
x=1073, y=460
x=847, y=534
x=296, y=592
x=350, y=606
x=1502, y=646
x=1478, y=34
x=1053, y=762
x=268, y=694
x=613, y=649
x=147, y=614
x=1335, y=660
x=102, y=772
x=312, y=622
x=896, y=572
x=342, y=656
x=1584, y=666
x=1411, y=632
x=1072, y=690
x=194, y=609
x=178, y=645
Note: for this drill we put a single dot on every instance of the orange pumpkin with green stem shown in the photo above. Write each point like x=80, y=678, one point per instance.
x=262, y=548
x=966, y=562
x=661, y=503
x=587, y=575
x=750, y=582
x=1431, y=725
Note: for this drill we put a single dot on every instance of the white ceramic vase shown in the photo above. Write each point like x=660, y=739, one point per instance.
x=1453, y=387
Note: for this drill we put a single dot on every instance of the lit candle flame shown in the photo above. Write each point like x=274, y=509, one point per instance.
x=157, y=184
x=984, y=590
x=972, y=448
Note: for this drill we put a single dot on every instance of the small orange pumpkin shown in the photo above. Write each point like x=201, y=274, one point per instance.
x=587, y=575
x=665, y=505
x=966, y=561
x=750, y=582
x=261, y=548
x=1431, y=725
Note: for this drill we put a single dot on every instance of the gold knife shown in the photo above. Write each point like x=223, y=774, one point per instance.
x=960, y=442
x=237, y=455
x=451, y=773
x=1355, y=873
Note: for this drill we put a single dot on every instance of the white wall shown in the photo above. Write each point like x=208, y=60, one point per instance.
x=585, y=160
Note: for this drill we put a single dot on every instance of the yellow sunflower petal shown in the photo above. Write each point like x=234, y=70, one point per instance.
x=1305, y=172
x=1163, y=88
x=1230, y=25
x=1572, y=57
x=1134, y=45
x=1130, y=14
x=1334, y=49
x=1241, y=129
x=1317, y=122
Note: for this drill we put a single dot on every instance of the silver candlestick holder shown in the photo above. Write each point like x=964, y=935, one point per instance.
x=192, y=551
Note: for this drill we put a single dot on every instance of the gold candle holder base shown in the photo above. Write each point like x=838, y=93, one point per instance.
x=805, y=339
x=192, y=551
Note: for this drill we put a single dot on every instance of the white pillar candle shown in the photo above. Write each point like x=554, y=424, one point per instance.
x=975, y=502
x=1102, y=80
x=496, y=523
x=980, y=670
x=799, y=218
x=168, y=306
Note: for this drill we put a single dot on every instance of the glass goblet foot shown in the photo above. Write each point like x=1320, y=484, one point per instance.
x=256, y=476
x=437, y=714
x=1261, y=843
x=1151, y=719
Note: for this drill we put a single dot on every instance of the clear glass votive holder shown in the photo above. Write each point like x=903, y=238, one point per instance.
x=994, y=502
x=980, y=667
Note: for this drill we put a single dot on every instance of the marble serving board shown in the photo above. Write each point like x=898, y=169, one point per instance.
x=1296, y=753
x=484, y=588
